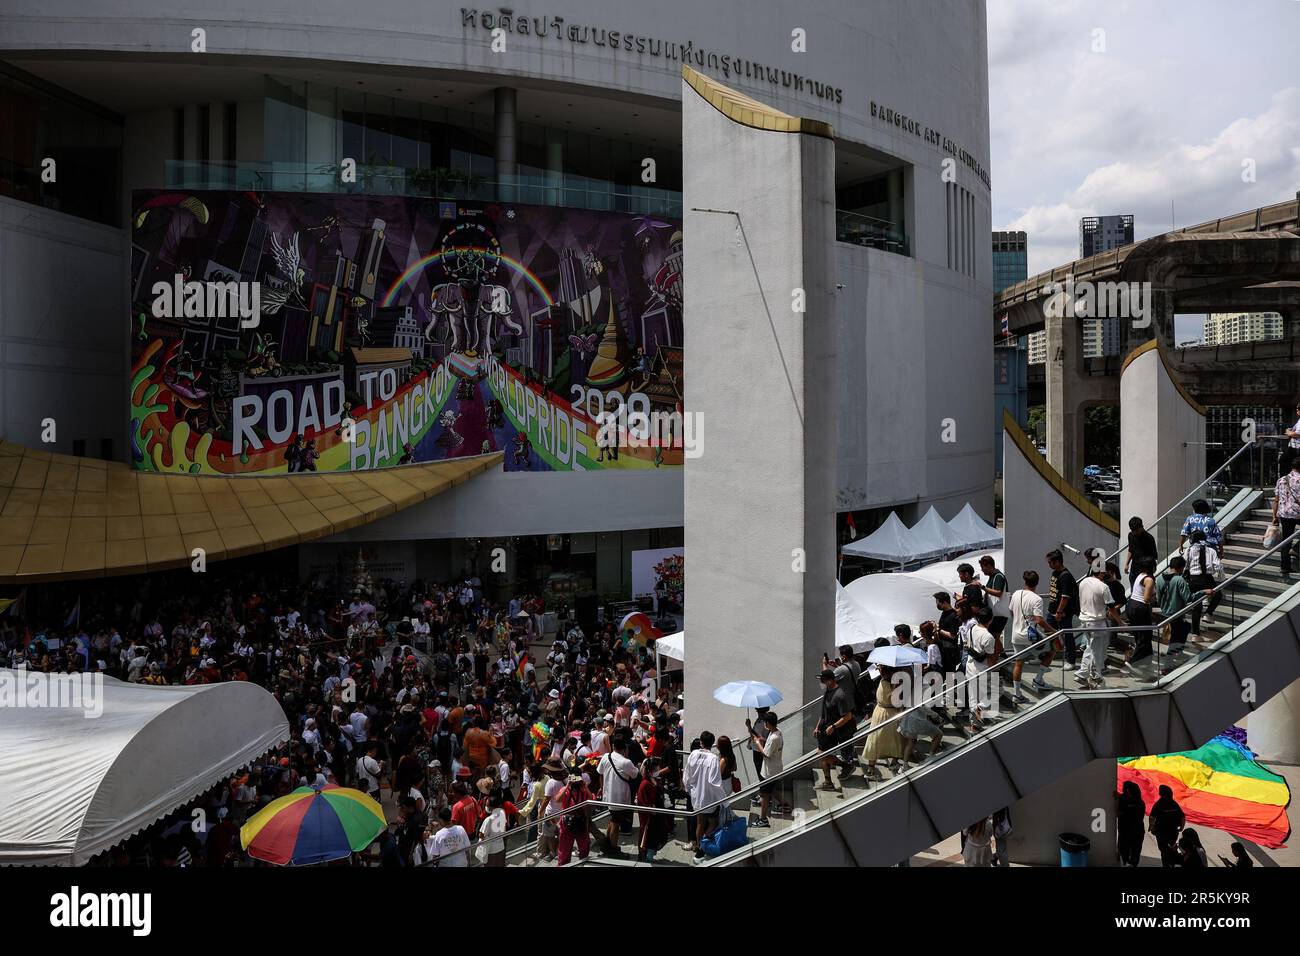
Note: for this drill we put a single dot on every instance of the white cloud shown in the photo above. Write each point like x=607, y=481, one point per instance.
x=1159, y=117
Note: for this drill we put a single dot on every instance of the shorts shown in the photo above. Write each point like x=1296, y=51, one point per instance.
x=916, y=726
x=767, y=786
x=997, y=626
x=623, y=818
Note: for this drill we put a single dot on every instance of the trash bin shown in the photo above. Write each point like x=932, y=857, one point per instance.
x=1074, y=849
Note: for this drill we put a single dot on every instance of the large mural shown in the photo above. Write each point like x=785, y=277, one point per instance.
x=379, y=331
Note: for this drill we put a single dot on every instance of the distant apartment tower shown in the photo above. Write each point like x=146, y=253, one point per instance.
x=1037, y=346
x=1233, y=328
x=1098, y=234
x=1010, y=259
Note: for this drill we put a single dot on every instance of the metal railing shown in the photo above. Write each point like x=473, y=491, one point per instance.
x=809, y=760
x=860, y=230
x=1162, y=547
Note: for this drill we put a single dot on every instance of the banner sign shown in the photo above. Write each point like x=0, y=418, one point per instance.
x=277, y=332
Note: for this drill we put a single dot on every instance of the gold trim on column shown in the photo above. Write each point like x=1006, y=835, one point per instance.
x=63, y=518
x=1054, y=478
x=748, y=111
x=1169, y=370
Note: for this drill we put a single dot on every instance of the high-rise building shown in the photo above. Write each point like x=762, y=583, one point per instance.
x=1232, y=328
x=1103, y=233
x=1037, y=345
x=1010, y=259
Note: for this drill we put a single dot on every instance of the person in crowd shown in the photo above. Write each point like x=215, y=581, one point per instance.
x=1002, y=837
x=835, y=727
x=1097, y=609
x=1174, y=592
x=703, y=782
x=884, y=742
x=769, y=743
x=1130, y=818
x=981, y=657
x=1062, y=606
x=653, y=832
x=1190, y=852
x=1203, y=571
x=1138, y=612
x=977, y=849
x=947, y=631
x=1286, y=506
x=997, y=591
x=1141, y=547
x=1203, y=521
x=1165, y=822
x=574, y=802
x=449, y=844
x=1029, y=628
x=619, y=785
x=1240, y=859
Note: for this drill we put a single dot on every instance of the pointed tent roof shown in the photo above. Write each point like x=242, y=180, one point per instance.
x=933, y=536
x=892, y=541
x=974, y=531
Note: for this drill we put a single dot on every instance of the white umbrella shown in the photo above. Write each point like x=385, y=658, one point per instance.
x=897, y=655
x=748, y=693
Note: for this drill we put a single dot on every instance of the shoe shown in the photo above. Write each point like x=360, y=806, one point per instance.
x=1070, y=667
x=760, y=823
x=1039, y=684
x=1081, y=677
x=698, y=858
x=1096, y=684
x=1019, y=697
x=826, y=787
x=754, y=801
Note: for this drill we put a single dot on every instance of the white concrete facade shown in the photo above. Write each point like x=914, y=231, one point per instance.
x=1038, y=518
x=759, y=526
x=1162, y=445
x=905, y=82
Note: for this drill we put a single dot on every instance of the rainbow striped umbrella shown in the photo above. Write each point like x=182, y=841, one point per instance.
x=313, y=825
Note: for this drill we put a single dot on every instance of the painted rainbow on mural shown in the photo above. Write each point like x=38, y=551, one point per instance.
x=1218, y=785
x=514, y=265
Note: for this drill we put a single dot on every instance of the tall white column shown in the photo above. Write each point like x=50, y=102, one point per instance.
x=759, y=377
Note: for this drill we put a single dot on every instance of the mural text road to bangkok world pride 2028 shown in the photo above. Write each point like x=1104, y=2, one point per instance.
x=439, y=328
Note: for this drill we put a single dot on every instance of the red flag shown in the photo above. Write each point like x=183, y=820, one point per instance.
x=853, y=527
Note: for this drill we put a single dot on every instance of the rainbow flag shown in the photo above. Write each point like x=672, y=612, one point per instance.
x=1218, y=785
x=521, y=671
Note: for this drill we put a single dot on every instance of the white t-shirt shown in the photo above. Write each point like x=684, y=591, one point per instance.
x=1025, y=605
x=772, y=747
x=368, y=771
x=616, y=773
x=1094, y=596
x=446, y=843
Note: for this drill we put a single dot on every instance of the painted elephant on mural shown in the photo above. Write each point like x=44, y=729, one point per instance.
x=466, y=316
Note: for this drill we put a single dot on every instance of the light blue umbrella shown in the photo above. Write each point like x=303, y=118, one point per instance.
x=748, y=693
x=897, y=655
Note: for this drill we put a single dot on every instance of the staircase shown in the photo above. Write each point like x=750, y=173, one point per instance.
x=1255, y=611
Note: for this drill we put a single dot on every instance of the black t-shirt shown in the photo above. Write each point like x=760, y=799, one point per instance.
x=836, y=704
x=1141, y=545
x=1063, y=584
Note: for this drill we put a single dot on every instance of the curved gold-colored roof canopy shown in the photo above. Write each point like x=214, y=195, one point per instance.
x=750, y=112
x=63, y=517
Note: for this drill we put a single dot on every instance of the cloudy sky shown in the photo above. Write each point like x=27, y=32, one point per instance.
x=1157, y=124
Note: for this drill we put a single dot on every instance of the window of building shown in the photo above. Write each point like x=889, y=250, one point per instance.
x=39, y=122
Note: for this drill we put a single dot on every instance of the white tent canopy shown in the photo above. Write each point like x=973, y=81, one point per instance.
x=891, y=542
x=895, y=599
x=973, y=530
x=856, y=624
x=74, y=785
x=933, y=536
x=672, y=646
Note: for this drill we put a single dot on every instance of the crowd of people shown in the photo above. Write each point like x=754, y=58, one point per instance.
x=428, y=696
